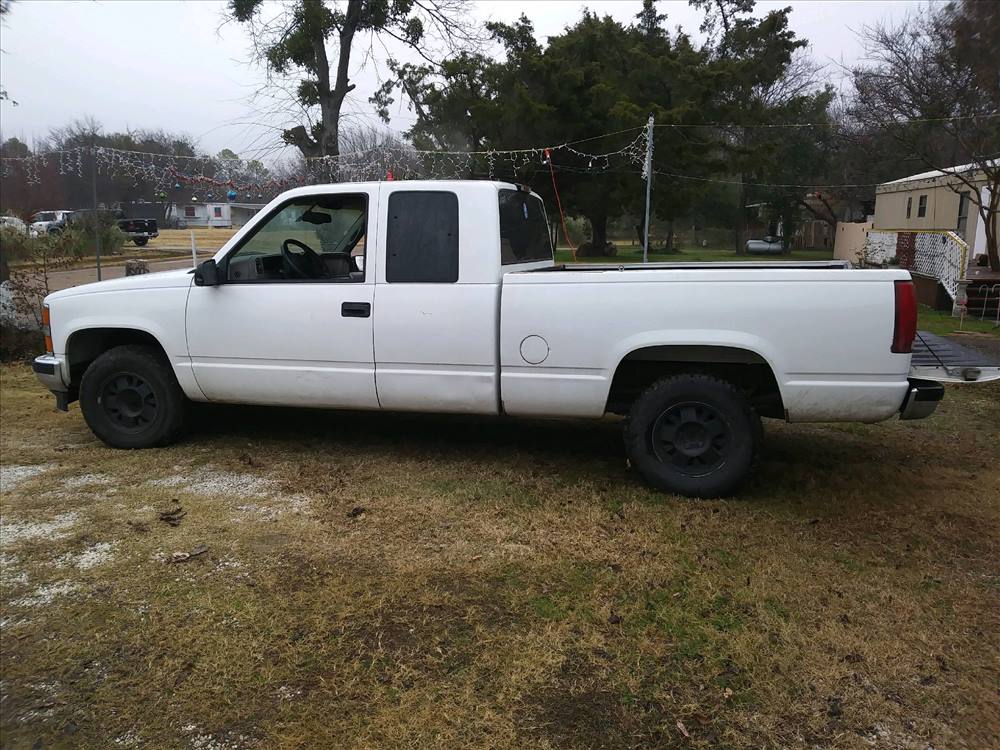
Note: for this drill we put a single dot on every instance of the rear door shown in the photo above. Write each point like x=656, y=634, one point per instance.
x=437, y=299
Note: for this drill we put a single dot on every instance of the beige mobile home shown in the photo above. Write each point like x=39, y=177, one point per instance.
x=935, y=201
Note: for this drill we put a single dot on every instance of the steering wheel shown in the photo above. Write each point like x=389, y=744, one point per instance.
x=308, y=265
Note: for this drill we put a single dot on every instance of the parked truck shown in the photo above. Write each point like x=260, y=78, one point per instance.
x=443, y=296
x=139, y=231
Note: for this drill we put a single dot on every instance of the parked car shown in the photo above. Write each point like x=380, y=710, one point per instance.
x=48, y=222
x=140, y=231
x=442, y=296
x=14, y=224
x=770, y=245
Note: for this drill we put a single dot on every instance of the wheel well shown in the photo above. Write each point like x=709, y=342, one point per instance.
x=745, y=369
x=83, y=347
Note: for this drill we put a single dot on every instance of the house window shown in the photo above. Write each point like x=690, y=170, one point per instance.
x=922, y=206
x=189, y=212
x=909, y=206
x=218, y=212
x=963, y=212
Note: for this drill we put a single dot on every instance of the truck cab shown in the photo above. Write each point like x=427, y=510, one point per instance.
x=325, y=283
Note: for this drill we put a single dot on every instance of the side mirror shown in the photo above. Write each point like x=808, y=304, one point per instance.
x=207, y=274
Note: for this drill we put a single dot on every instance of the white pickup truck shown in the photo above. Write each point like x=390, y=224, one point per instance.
x=443, y=297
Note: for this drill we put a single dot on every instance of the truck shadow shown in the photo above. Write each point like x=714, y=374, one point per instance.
x=412, y=433
x=801, y=460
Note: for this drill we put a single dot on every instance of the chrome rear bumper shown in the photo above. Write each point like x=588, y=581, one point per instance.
x=922, y=398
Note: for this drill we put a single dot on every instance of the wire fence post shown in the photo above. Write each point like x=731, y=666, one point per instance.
x=648, y=174
x=194, y=252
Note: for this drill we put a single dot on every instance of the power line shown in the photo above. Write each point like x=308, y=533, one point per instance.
x=828, y=123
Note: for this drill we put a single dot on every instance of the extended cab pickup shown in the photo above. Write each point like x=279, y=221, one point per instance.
x=443, y=297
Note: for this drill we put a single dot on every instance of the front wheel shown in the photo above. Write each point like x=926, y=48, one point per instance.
x=130, y=398
x=693, y=435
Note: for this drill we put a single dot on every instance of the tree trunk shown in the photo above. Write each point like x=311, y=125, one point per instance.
x=599, y=228
x=989, y=216
x=741, y=219
x=992, y=250
x=668, y=246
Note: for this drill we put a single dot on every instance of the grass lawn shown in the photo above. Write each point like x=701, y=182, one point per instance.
x=389, y=581
x=939, y=322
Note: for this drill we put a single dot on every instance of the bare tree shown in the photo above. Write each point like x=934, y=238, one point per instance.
x=932, y=84
x=293, y=43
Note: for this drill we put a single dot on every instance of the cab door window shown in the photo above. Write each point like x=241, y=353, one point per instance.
x=316, y=238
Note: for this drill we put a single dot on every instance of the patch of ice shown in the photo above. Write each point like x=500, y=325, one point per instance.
x=87, y=480
x=44, y=595
x=9, y=573
x=213, y=482
x=93, y=556
x=11, y=476
x=19, y=531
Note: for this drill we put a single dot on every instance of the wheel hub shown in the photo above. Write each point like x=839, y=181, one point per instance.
x=692, y=437
x=128, y=401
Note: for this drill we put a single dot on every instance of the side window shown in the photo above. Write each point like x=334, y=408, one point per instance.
x=922, y=206
x=524, y=232
x=422, y=237
x=909, y=206
x=310, y=238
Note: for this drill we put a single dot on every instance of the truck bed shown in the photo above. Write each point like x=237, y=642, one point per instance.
x=813, y=265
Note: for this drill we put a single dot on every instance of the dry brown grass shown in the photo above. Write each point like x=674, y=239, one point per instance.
x=508, y=585
x=206, y=239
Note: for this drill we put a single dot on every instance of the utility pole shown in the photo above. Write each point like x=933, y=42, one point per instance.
x=97, y=218
x=648, y=173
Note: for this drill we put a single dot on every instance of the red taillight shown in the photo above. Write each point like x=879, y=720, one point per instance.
x=904, y=329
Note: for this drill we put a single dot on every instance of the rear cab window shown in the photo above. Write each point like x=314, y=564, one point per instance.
x=422, y=238
x=524, y=232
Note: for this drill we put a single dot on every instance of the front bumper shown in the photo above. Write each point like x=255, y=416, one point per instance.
x=49, y=370
x=922, y=398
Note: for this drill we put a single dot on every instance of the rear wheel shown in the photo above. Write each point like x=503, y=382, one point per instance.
x=693, y=435
x=140, y=241
x=130, y=398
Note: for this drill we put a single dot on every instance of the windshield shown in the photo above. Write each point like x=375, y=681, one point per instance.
x=524, y=232
x=45, y=216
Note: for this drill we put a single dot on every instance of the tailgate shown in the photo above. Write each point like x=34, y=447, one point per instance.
x=947, y=361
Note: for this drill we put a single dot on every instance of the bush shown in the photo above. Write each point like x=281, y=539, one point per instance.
x=74, y=243
x=589, y=250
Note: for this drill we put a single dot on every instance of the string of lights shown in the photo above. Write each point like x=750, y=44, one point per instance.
x=248, y=179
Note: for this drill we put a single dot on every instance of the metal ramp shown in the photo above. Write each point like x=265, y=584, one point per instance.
x=947, y=361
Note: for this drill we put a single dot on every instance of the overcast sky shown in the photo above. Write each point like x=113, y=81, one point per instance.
x=176, y=65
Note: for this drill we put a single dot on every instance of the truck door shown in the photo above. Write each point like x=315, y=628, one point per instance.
x=291, y=322
x=437, y=300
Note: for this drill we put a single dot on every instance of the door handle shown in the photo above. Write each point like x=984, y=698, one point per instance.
x=356, y=309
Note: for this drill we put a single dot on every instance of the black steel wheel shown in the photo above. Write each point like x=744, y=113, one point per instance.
x=128, y=401
x=131, y=399
x=693, y=435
